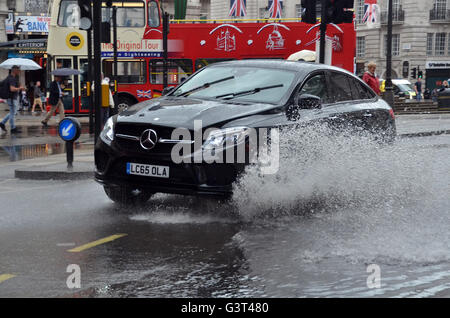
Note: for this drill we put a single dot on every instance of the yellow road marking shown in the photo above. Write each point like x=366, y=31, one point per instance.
x=4, y=277
x=95, y=243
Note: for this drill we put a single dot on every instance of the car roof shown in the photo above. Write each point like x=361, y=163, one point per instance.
x=400, y=81
x=298, y=66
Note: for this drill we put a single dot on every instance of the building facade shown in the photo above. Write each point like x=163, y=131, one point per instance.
x=421, y=39
x=23, y=33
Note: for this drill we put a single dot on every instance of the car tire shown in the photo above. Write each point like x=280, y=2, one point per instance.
x=127, y=195
x=124, y=103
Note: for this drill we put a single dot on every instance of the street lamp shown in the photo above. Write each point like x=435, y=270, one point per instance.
x=389, y=91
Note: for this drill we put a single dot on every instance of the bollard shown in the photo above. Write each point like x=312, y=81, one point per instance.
x=69, y=130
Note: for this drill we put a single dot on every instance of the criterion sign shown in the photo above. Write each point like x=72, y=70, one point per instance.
x=69, y=129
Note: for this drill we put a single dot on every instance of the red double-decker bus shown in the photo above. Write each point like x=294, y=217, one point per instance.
x=192, y=44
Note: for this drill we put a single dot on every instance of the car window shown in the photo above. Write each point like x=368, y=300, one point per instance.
x=359, y=91
x=340, y=87
x=316, y=85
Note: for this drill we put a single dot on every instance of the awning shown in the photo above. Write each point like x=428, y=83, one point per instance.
x=26, y=46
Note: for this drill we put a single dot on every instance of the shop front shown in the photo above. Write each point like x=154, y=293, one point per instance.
x=436, y=73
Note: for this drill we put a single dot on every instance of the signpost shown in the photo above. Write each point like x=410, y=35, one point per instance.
x=69, y=129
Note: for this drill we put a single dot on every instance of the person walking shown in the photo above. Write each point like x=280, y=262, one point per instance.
x=37, y=94
x=371, y=79
x=12, y=81
x=55, y=100
x=418, y=89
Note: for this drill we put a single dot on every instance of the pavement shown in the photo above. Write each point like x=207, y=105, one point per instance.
x=39, y=153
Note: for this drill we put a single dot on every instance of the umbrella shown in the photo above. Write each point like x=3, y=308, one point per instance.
x=304, y=55
x=65, y=72
x=24, y=64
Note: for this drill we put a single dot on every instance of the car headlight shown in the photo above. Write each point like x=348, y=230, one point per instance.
x=107, y=134
x=219, y=138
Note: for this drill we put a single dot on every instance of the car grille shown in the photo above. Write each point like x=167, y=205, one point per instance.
x=136, y=130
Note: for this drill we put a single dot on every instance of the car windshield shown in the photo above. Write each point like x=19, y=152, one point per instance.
x=251, y=84
x=405, y=87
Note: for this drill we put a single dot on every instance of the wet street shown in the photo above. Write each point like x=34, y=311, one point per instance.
x=314, y=230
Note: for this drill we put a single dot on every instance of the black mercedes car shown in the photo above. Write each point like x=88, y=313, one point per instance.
x=157, y=145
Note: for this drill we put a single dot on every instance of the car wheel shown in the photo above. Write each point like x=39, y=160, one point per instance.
x=124, y=103
x=127, y=195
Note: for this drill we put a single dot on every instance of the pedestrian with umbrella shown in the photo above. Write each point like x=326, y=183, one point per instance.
x=13, y=88
x=11, y=84
x=55, y=100
x=56, y=93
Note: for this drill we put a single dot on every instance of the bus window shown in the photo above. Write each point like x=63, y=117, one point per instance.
x=83, y=66
x=177, y=69
x=69, y=13
x=153, y=14
x=129, y=14
x=199, y=63
x=128, y=72
x=67, y=81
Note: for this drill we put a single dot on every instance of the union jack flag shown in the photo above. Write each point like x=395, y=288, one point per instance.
x=275, y=7
x=237, y=8
x=144, y=94
x=371, y=10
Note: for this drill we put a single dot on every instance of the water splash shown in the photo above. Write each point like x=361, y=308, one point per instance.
x=357, y=200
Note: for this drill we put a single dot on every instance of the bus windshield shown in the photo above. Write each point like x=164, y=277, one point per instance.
x=130, y=15
x=261, y=85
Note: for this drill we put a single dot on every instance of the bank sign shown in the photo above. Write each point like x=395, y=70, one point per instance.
x=26, y=24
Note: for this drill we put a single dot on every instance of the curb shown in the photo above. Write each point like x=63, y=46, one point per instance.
x=425, y=134
x=52, y=175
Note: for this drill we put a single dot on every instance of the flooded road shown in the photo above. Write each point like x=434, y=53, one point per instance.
x=36, y=142
x=316, y=229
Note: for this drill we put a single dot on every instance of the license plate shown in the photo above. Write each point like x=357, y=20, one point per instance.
x=147, y=170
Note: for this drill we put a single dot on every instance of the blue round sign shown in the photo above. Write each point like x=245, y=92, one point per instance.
x=69, y=129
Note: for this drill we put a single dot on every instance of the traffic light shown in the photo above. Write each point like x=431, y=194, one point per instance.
x=85, y=14
x=420, y=74
x=309, y=11
x=339, y=11
x=414, y=73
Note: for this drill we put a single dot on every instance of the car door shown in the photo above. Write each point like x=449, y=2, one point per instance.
x=342, y=109
x=316, y=84
x=351, y=102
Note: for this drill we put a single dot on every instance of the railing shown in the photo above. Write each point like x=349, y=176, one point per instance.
x=440, y=15
x=398, y=16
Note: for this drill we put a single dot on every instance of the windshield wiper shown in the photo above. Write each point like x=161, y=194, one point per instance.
x=206, y=85
x=248, y=92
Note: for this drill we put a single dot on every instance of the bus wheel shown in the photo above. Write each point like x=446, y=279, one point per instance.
x=126, y=195
x=124, y=103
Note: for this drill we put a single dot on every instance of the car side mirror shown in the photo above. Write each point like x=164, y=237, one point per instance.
x=167, y=90
x=307, y=101
x=304, y=101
